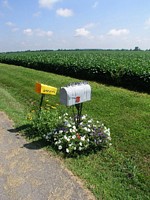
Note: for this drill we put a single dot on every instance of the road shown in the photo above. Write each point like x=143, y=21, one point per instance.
x=30, y=173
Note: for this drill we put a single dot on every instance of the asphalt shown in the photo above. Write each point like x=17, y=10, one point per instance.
x=33, y=174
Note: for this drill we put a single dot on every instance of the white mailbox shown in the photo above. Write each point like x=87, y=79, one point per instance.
x=75, y=93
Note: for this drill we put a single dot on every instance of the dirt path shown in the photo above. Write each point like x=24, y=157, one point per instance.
x=31, y=174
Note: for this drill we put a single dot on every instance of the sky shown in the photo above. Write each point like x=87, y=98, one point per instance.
x=73, y=24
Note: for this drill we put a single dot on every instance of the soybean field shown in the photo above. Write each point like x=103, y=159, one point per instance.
x=129, y=69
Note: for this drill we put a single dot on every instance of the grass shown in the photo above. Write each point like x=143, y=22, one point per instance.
x=120, y=172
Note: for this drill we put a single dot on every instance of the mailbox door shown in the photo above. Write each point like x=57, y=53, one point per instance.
x=63, y=96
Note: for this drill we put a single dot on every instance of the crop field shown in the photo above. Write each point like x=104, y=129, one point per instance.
x=129, y=69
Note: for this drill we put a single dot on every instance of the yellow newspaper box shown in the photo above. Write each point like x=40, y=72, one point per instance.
x=45, y=89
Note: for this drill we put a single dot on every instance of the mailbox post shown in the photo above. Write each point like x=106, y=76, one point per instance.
x=79, y=112
x=76, y=94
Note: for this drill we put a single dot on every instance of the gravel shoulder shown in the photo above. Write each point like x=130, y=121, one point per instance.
x=33, y=174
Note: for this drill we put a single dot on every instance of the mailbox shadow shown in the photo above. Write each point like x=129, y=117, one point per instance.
x=36, y=145
x=20, y=128
x=25, y=131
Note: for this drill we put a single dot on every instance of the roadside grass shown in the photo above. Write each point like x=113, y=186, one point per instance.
x=120, y=172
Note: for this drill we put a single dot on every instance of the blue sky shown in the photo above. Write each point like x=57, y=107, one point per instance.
x=72, y=24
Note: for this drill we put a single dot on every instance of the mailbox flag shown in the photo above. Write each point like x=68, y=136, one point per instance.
x=77, y=99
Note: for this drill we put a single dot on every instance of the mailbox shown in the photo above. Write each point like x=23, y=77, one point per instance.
x=45, y=89
x=75, y=93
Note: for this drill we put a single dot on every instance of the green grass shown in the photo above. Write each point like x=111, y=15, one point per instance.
x=118, y=173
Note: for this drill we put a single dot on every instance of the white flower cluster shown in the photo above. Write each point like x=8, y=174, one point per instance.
x=89, y=134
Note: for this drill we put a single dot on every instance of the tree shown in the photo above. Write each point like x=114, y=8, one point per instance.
x=136, y=49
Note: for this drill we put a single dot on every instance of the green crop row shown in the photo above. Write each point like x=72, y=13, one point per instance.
x=122, y=68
